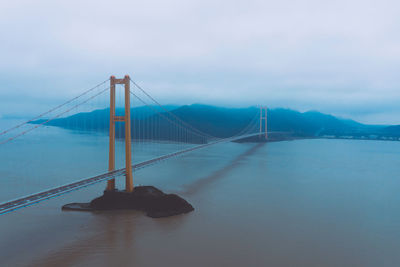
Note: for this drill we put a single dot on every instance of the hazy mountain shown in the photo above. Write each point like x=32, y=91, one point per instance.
x=225, y=122
x=100, y=119
x=216, y=121
x=393, y=131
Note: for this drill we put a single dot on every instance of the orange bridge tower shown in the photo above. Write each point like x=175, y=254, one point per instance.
x=127, y=120
x=263, y=117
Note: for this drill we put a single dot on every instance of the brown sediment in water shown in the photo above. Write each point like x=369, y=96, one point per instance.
x=149, y=199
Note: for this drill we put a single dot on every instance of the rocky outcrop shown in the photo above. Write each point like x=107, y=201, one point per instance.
x=149, y=199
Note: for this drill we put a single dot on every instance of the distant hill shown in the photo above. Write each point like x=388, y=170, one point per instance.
x=100, y=119
x=316, y=124
x=216, y=121
x=225, y=122
x=393, y=131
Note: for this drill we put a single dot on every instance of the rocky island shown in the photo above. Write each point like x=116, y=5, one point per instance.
x=149, y=199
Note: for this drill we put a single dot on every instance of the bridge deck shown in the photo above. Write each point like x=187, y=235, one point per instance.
x=25, y=201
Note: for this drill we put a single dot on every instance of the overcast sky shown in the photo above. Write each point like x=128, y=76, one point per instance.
x=340, y=57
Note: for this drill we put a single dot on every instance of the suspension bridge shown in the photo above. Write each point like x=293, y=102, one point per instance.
x=149, y=122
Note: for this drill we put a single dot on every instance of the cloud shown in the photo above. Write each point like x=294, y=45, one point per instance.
x=335, y=56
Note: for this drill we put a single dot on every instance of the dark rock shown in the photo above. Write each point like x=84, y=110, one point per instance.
x=149, y=199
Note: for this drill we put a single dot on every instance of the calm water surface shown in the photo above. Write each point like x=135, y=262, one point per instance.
x=297, y=203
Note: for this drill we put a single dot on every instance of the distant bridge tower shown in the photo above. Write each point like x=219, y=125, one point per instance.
x=127, y=119
x=263, y=117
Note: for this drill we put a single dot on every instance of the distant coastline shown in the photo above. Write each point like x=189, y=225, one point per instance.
x=283, y=124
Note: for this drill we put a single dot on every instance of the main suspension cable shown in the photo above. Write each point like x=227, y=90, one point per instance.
x=53, y=109
x=55, y=117
x=161, y=114
x=169, y=112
